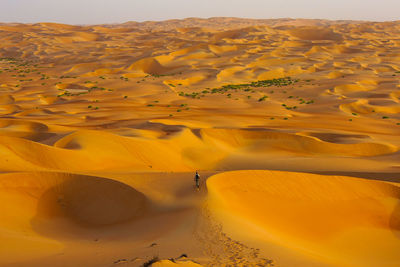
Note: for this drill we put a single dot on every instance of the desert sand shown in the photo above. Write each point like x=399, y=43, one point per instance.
x=293, y=125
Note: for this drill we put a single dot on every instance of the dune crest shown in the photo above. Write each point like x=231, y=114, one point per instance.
x=261, y=141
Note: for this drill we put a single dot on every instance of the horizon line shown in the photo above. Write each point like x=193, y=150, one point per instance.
x=201, y=18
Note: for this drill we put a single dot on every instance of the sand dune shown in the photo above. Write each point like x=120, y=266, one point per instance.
x=165, y=263
x=180, y=152
x=222, y=23
x=42, y=204
x=149, y=66
x=6, y=99
x=259, y=141
x=61, y=195
x=323, y=217
x=103, y=126
x=314, y=33
x=74, y=151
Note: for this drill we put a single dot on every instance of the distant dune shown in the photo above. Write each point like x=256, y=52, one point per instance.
x=229, y=23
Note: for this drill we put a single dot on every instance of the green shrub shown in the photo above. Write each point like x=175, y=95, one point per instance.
x=262, y=98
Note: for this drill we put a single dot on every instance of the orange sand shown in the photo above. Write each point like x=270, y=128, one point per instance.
x=102, y=128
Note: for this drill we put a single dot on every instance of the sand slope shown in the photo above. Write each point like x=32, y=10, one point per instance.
x=46, y=204
x=339, y=220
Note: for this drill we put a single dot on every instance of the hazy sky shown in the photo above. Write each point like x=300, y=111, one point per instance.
x=110, y=11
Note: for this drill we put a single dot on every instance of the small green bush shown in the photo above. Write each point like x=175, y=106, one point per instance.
x=262, y=98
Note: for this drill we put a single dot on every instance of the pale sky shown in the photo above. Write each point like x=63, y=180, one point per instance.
x=115, y=11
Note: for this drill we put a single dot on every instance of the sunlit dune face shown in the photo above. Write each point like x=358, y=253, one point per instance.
x=323, y=215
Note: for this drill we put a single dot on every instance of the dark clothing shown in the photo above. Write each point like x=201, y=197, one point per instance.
x=197, y=180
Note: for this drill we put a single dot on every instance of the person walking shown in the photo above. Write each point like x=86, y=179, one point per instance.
x=197, y=180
